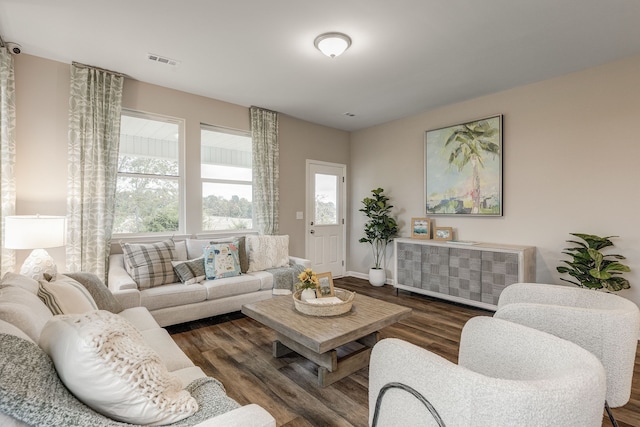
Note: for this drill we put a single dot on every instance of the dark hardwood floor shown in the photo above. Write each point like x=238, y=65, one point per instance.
x=237, y=350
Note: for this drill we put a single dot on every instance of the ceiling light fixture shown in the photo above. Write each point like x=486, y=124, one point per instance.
x=332, y=44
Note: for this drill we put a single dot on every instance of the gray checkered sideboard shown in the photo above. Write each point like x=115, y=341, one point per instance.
x=471, y=274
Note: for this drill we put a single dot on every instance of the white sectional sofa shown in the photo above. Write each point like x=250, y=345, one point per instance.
x=30, y=391
x=174, y=302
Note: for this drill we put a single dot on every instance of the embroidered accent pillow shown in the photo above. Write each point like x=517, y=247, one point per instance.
x=149, y=264
x=268, y=252
x=104, y=361
x=242, y=250
x=191, y=271
x=221, y=260
x=66, y=296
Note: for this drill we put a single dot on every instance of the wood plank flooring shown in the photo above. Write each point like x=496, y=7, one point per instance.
x=237, y=350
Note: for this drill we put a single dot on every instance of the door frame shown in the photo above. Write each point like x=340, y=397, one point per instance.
x=308, y=214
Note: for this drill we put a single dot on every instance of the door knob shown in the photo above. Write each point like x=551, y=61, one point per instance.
x=313, y=232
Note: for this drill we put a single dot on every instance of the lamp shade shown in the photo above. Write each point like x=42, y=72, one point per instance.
x=34, y=231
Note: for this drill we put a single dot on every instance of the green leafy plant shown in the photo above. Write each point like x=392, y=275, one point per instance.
x=591, y=268
x=381, y=226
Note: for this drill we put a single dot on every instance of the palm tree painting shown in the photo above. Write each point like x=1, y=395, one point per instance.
x=464, y=168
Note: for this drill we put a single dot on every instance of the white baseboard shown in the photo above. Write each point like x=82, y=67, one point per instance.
x=365, y=276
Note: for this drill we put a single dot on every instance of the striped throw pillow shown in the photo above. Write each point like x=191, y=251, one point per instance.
x=149, y=265
x=66, y=296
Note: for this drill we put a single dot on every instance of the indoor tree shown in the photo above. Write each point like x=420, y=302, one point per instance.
x=380, y=228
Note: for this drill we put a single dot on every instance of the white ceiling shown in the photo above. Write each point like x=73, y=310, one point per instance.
x=407, y=56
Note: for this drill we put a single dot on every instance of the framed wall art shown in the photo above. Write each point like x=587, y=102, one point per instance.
x=463, y=169
x=443, y=233
x=325, y=285
x=420, y=228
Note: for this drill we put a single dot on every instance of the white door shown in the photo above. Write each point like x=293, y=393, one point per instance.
x=325, y=217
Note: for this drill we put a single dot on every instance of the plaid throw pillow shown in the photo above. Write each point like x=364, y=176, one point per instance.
x=150, y=264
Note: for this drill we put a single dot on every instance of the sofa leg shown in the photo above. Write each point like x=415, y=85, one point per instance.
x=614, y=423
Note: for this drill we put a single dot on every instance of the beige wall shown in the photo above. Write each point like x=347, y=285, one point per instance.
x=571, y=153
x=570, y=158
x=42, y=90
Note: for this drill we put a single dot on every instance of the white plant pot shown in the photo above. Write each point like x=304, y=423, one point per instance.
x=308, y=294
x=377, y=276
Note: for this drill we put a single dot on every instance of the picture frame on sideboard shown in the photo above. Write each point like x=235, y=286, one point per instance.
x=421, y=228
x=443, y=233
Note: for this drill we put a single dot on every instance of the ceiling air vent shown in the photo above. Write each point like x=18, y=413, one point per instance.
x=162, y=59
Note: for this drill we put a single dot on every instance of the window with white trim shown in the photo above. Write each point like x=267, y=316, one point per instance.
x=227, y=182
x=148, y=184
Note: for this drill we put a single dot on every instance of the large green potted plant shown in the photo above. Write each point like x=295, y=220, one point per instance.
x=590, y=267
x=379, y=230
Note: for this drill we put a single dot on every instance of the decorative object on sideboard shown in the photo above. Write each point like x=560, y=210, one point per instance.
x=36, y=232
x=463, y=169
x=379, y=232
x=421, y=228
x=443, y=233
x=590, y=267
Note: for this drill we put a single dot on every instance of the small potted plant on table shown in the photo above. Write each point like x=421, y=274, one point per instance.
x=308, y=284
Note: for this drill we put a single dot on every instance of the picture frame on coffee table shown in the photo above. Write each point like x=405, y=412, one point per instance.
x=443, y=233
x=325, y=285
x=421, y=228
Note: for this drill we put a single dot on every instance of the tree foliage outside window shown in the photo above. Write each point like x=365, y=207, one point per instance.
x=326, y=213
x=147, y=203
x=226, y=173
x=148, y=187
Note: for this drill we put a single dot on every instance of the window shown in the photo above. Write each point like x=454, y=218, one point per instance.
x=226, y=179
x=148, y=185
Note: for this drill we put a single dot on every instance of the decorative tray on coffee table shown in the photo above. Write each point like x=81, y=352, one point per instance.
x=333, y=309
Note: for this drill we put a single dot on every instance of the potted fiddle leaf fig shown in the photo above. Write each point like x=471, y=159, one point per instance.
x=379, y=230
x=590, y=267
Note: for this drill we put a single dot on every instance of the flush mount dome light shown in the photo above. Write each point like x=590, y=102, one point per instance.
x=332, y=44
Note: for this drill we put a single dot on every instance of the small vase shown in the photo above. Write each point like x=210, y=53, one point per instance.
x=377, y=276
x=307, y=294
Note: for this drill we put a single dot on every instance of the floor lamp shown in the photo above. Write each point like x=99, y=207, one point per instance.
x=36, y=232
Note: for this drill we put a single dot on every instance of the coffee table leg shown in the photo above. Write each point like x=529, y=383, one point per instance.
x=346, y=366
x=280, y=350
x=330, y=368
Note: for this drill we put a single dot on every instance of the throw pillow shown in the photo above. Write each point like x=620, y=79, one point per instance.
x=66, y=296
x=221, y=260
x=268, y=252
x=150, y=264
x=24, y=310
x=101, y=294
x=191, y=271
x=242, y=250
x=104, y=361
x=180, y=250
x=20, y=281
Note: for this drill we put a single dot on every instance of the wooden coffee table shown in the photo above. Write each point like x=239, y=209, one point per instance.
x=318, y=338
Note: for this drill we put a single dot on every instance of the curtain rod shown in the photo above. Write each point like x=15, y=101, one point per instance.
x=115, y=73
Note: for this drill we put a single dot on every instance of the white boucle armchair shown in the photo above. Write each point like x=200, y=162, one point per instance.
x=507, y=375
x=605, y=324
